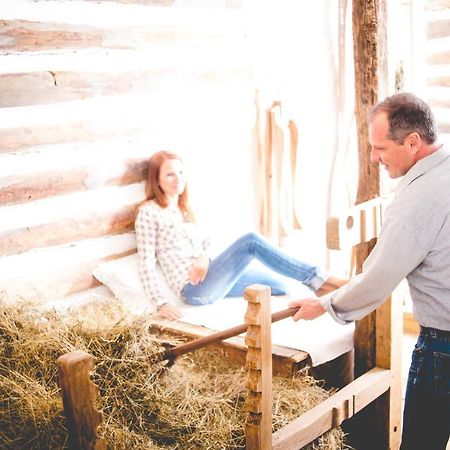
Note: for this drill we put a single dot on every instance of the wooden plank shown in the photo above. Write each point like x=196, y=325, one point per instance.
x=79, y=396
x=19, y=188
x=333, y=411
x=258, y=425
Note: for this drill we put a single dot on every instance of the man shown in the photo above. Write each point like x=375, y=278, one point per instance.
x=414, y=243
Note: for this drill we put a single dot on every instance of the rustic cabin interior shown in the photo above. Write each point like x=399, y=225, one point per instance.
x=266, y=104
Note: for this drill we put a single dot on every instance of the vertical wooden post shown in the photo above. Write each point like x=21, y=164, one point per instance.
x=377, y=336
x=258, y=427
x=79, y=394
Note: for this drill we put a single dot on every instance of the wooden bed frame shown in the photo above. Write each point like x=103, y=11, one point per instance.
x=379, y=386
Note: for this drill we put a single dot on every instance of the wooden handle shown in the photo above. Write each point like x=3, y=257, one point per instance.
x=172, y=353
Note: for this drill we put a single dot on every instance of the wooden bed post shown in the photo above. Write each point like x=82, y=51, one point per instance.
x=258, y=426
x=377, y=336
x=79, y=395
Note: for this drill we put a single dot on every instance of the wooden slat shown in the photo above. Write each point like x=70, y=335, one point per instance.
x=439, y=58
x=20, y=189
x=333, y=411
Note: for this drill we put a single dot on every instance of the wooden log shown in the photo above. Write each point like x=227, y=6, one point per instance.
x=79, y=395
x=31, y=36
x=68, y=230
x=55, y=272
x=333, y=411
x=439, y=58
x=438, y=29
x=26, y=36
x=21, y=188
x=23, y=89
x=258, y=426
x=75, y=131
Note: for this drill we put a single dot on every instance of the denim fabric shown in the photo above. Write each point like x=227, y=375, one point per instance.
x=426, y=417
x=228, y=274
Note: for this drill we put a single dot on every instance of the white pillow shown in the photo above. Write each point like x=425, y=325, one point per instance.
x=121, y=276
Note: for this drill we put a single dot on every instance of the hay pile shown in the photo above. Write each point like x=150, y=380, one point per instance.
x=196, y=404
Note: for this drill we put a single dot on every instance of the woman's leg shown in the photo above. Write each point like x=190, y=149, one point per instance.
x=225, y=270
x=278, y=284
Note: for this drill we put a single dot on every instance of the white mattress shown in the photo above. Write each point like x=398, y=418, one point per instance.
x=323, y=339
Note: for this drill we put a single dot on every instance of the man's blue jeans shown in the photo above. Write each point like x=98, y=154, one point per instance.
x=228, y=274
x=426, y=417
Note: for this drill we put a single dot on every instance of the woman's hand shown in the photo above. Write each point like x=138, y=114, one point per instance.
x=199, y=270
x=309, y=309
x=169, y=312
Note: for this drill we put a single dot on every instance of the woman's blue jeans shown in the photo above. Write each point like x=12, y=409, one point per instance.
x=426, y=416
x=228, y=274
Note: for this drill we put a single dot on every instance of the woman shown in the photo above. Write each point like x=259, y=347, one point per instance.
x=166, y=233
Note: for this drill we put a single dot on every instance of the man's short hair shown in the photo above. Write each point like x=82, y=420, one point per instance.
x=406, y=114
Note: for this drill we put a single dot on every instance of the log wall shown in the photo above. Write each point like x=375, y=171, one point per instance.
x=88, y=90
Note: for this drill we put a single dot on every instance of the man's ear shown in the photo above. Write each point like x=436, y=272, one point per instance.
x=414, y=141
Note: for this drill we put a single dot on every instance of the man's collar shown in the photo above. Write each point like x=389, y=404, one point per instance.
x=422, y=166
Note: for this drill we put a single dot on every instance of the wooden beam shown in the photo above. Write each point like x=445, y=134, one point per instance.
x=258, y=425
x=373, y=339
x=333, y=411
x=79, y=395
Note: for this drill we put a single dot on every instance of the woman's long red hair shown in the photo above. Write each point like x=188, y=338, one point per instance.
x=154, y=192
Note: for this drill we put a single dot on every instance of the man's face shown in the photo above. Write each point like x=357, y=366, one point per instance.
x=396, y=158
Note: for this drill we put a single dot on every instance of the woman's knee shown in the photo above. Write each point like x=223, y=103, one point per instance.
x=251, y=237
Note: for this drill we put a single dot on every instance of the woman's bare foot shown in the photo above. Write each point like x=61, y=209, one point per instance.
x=330, y=285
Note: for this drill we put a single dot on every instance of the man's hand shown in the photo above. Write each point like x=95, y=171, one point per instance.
x=309, y=309
x=169, y=312
x=199, y=270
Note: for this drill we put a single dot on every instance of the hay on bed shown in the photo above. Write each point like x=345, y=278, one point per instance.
x=197, y=403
